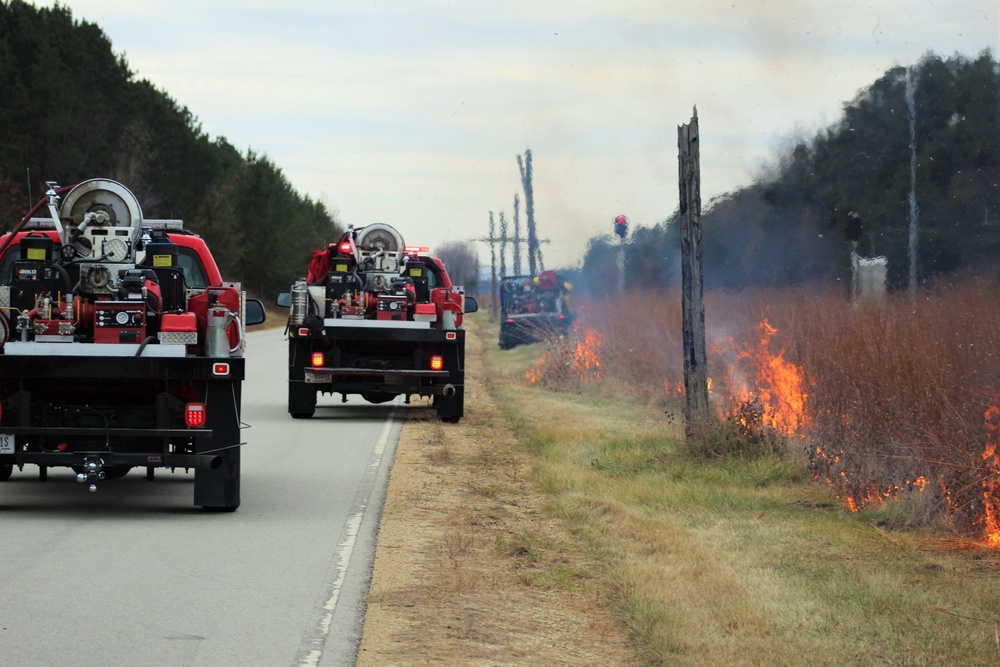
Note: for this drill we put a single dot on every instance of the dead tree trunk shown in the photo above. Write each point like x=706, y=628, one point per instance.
x=696, y=411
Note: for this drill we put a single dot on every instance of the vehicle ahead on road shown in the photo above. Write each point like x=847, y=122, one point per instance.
x=121, y=345
x=533, y=309
x=377, y=318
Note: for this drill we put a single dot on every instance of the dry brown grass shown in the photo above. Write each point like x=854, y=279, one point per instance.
x=740, y=560
x=897, y=398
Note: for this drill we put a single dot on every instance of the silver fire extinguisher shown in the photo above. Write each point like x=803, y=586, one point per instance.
x=216, y=341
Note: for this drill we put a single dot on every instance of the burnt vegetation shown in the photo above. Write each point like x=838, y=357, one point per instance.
x=893, y=404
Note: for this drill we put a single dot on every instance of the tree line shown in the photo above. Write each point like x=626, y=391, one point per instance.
x=71, y=109
x=794, y=225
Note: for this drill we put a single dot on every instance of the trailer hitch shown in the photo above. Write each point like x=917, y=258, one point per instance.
x=92, y=472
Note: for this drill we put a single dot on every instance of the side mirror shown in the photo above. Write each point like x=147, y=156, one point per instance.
x=471, y=305
x=254, y=312
x=284, y=300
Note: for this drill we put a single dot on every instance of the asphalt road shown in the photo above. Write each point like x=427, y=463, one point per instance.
x=134, y=574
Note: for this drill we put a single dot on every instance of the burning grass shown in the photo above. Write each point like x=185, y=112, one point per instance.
x=737, y=559
x=891, y=405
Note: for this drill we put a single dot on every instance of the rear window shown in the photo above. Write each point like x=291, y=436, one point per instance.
x=187, y=258
x=194, y=272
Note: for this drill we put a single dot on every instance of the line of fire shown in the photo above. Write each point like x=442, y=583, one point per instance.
x=755, y=388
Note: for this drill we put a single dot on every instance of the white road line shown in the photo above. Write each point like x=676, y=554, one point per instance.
x=314, y=642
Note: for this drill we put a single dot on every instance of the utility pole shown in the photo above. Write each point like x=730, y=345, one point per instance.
x=911, y=106
x=696, y=411
x=517, y=235
x=493, y=266
x=529, y=209
x=621, y=230
x=503, y=246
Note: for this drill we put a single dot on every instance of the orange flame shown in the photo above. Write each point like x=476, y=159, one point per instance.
x=587, y=360
x=565, y=358
x=770, y=381
x=991, y=483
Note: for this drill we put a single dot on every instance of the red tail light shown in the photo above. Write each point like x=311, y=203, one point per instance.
x=345, y=248
x=195, y=415
x=318, y=359
x=221, y=369
x=437, y=362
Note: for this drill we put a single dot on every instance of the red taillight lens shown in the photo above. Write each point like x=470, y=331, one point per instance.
x=303, y=331
x=437, y=362
x=195, y=415
x=451, y=335
x=317, y=359
x=220, y=368
x=345, y=248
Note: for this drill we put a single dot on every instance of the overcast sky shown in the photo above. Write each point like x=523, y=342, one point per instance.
x=412, y=112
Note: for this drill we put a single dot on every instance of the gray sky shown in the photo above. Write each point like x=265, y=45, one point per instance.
x=412, y=112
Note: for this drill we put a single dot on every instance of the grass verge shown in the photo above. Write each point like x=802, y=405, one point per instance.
x=738, y=560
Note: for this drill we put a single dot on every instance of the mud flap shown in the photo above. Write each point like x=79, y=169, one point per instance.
x=218, y=489
x=301, y=399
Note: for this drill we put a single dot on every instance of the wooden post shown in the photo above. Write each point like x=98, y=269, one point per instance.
x=692, y=284
x=503, y=246
x=493, y=268
x=517, y=235
x=529, y=208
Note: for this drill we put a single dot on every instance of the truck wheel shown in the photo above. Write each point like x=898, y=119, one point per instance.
x=219, y=509
x=218, y=489
x=5, y=471
x=377, y=396
x=450, y=409
x=116, y=472
x=301, y=400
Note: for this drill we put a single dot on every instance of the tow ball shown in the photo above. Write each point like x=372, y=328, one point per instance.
x=92, y=472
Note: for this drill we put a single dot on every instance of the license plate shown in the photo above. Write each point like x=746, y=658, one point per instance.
x=6, y=443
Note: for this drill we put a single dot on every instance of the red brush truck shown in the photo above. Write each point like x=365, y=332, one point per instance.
x=377, y=318
x=121, y=345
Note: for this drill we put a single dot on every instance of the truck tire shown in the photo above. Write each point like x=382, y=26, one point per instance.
x=301, y=400
x=5, y=471
x=218, y=489
x=450, y=409
x=377, y=396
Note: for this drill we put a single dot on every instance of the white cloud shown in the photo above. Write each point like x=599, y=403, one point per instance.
x=411, y=112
